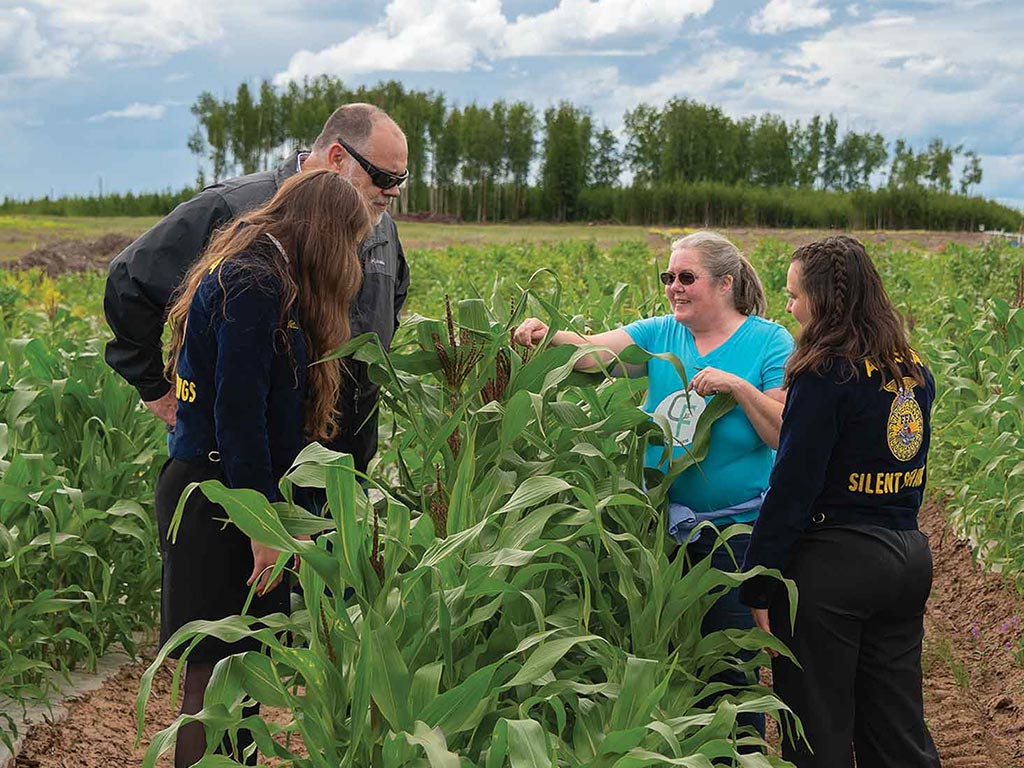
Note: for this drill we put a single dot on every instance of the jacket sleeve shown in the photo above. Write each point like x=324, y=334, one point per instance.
x=401, y=281
x=245, y=335
x=811, y=423
x=140, y=284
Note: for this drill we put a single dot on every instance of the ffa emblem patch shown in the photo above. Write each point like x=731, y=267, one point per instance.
x=905, y=430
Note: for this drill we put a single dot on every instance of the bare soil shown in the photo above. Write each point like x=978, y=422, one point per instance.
x=974, y=681
x=99, y=731
x=72, y=255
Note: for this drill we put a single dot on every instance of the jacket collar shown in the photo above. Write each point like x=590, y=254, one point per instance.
x=289, y=166
x=378, y=236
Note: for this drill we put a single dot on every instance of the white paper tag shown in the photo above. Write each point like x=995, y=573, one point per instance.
x=681, y=415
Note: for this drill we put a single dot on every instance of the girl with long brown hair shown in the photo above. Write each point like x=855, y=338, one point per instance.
x=268, y=297
x=840, y=519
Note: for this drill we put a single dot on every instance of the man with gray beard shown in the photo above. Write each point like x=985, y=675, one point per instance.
x=359, y=141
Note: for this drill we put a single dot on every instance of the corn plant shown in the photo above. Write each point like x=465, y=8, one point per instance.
x=980, y=416
x=77, y=549
x=514, y=599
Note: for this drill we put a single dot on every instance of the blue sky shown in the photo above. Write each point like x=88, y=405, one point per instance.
x=101, y=89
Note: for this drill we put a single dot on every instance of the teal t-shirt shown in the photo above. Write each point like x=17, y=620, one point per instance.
x=738, y=462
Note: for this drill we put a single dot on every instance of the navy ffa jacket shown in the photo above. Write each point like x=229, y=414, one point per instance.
x=851, y=451
x=241, y=382
x=145, y=275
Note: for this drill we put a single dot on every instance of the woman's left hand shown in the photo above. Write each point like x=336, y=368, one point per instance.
x=263, y=561
x=761, y=622
x=711, y=381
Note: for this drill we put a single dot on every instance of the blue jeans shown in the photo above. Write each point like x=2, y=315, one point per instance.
x=728, y=612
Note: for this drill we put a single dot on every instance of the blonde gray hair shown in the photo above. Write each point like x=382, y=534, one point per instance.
x=720, y=258
x=353, y=124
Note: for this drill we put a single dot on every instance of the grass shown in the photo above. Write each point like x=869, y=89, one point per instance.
x=425, y=235
x=20, y=234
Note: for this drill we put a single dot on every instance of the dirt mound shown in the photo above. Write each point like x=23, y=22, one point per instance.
x=73, y=255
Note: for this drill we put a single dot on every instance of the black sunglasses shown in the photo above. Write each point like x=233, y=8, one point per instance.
x=685, y=277
x=381, y=179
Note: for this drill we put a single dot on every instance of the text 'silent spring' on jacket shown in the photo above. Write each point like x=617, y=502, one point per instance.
x=853, y=451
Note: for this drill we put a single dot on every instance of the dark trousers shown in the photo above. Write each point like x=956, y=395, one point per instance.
x=728, y=612
x=206, y=567
x=859, y=626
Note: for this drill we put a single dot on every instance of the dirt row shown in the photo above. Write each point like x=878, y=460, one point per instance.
x=974, y=681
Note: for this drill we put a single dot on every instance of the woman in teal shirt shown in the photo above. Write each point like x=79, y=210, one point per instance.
x=726, y=346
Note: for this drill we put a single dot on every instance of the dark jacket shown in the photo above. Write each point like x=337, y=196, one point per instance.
x=241, y=383
x=144, y=276
x=851, y=452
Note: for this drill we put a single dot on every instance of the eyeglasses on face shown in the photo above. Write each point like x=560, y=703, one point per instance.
x=381, y=179
x=686, y=277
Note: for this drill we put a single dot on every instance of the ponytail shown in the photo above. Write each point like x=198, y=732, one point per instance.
x=747, y=292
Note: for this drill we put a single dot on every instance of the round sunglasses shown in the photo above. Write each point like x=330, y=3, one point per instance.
x=686, y=277
x=381, y=179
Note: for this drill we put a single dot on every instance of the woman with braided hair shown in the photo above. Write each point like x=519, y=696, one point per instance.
x=840, y=520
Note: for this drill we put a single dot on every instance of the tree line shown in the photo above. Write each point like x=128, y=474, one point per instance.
x=686, y=162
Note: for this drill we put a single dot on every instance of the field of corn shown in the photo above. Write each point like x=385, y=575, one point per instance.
x=505, y=594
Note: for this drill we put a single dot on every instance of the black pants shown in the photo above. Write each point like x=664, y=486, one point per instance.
x=206, y=567
x=859, y=626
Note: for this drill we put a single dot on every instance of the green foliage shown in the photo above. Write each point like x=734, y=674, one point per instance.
x=981, y=442
x=515, y=600
x=474, y=162
x=567, y=158
x=717, y=204
x=78, y=563
x=607, y=164
x=116, y=204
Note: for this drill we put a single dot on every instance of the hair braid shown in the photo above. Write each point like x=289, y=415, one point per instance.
x=851, y=317
x=840, y=280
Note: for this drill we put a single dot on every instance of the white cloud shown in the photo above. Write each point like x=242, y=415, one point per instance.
x=888, y=71
x=584, y=23
x=50, y=38
x=904, y=76
x=134, y=111
x=414, y=35
x=783, y=15
x=1002, y=176
x=23, y=51
x=458, y=35
x=115, y=29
